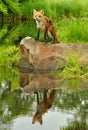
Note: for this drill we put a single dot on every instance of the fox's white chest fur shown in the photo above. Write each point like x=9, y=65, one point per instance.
x=40, y=25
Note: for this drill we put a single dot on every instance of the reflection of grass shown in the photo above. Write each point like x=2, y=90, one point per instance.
x=75, y=125
x=73, y=84
x=10, y=75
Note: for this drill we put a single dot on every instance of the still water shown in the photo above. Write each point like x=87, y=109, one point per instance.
x=41, y=101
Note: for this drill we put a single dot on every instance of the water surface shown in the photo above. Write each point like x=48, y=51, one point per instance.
x=40, y=100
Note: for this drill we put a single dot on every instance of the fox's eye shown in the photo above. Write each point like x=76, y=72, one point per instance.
x=39, y=16
x=35, y=15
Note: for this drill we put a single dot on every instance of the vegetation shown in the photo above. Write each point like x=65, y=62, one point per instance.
x=66, y=14
x=10, y=7
x=74, y=69
x=73, y=30
x=76, y=125
x=71, y=8
x=9, y=56
x=9, y=76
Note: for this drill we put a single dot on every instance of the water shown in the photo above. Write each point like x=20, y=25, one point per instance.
x=39, y=100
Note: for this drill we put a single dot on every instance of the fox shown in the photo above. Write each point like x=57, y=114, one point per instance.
x=46, y=24
x=44, y=105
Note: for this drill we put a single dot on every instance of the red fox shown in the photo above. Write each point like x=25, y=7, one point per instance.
x=43, y=106
x=46, y=24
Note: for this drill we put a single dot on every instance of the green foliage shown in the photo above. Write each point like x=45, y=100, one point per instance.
x=78, y=30
x=13, y=6
x=9, y=5
x=13, y=35
x=54, y=9
x=3, y=8
x=3, y=31
x=74, y=69
x=73, y=30
x=27, y=7
x=72, y=8
x=9, y=56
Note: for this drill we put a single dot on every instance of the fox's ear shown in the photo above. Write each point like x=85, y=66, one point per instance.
x=42, y=11
x=34, y=11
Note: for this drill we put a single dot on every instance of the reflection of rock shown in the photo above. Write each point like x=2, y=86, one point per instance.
x=37, y=81
x=37, y=55
x=24, y=79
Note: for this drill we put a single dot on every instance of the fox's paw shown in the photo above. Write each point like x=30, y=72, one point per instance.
x=36, y=38
x=45, y=41
x=53, y=42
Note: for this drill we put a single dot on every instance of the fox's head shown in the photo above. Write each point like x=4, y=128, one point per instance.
x=37, y=118
x=38, y=15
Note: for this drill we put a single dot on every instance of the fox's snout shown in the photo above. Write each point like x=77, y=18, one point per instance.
x=37, y=19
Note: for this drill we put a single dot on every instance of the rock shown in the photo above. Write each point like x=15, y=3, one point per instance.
x=38, y=55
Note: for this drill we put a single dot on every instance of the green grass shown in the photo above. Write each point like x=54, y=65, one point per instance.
x=54, y=9
x=73, y=30
x=57, y=8
x=74, y=69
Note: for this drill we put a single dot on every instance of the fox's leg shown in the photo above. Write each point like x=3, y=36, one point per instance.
x=38, y=33
x=37, y=97
x=45, y=94
x=54, y=35
x=56, y=40
x=45, y=35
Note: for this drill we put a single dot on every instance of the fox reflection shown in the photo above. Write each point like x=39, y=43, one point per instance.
x=44, y=105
